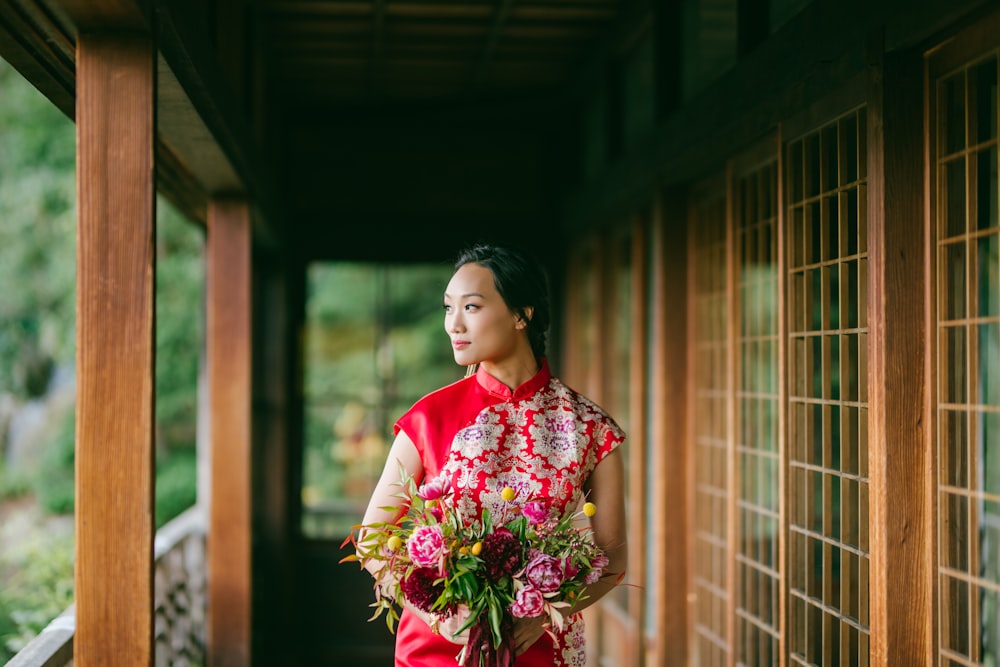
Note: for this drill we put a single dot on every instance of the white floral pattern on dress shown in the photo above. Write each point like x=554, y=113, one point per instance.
x=544, y=447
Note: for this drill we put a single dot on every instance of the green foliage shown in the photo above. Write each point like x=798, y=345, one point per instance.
x=176, y=484
x=37, y=334
x=37, y=236
x=374, y=345
x=38, y=586
x=53, y=483
x=12, y=484
x=180, y=275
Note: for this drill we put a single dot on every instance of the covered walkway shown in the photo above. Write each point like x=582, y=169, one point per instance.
x=773, y=231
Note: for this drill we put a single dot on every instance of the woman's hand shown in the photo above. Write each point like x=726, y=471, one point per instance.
x=527, y=631
x=448, y=626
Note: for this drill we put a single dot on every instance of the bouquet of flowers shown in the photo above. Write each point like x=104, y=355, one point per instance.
x=526, y=562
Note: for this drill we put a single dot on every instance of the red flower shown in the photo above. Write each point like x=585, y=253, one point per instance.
x=420, y=589
x=501, y=554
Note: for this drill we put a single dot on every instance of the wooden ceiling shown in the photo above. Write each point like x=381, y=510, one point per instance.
x=330, y=53
x=361, y=127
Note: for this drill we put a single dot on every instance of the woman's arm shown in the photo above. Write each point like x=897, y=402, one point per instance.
x=606, y=488
x=403, y=454
x=403, y=458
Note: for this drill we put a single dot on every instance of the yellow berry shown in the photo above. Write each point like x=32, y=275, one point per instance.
x=590, y=509
x=508, y=494
x=463, y=550
x=477, y=548
x=395, y=543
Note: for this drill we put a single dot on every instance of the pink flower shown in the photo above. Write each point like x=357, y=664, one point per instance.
x=569, y=569
x=536, y=512
x=434, y=489
x=426, y=545
x=597, y=565
x=528, y=603
x=545, y=573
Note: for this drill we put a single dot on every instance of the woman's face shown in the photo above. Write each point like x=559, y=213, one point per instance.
x=481, y=326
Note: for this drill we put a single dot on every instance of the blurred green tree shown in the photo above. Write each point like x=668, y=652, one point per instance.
x=37, y=237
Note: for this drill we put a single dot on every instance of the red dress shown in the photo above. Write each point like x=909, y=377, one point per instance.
x=542, y=440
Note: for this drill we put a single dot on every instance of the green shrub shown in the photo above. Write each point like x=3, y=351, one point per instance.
x=12, y=485
x=53, y=484
x=38, y=585
x=176, y=484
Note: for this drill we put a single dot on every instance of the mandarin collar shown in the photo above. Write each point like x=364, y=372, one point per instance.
x=500, y=390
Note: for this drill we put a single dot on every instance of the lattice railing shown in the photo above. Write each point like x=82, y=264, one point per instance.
x=180, y=596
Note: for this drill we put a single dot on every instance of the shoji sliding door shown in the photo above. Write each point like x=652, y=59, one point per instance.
x=965, y=300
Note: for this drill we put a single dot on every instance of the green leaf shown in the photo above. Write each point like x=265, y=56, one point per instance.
x=496, y=618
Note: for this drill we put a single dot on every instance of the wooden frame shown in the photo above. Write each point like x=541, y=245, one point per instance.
x=671, y=498
x=710, y=291
x=755, y=161
x=229, y=343
x=115, y=349
x=956, y=57
x=897, y=452
x=638, y=436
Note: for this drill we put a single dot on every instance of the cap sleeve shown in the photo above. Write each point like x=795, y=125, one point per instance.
x=608, y=436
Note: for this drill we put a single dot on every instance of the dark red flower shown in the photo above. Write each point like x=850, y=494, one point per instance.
x=501, y=554
x=420, y=589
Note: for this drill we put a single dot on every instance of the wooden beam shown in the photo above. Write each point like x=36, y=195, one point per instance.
x=638, y=436
x=115, y=348
x=203, y=95
x=228, y=303
x=41, y=46
x=898, y=449
x=90, y=15
x=500, y=18
x=273, y=365
x=376, y=58
x=671, y=440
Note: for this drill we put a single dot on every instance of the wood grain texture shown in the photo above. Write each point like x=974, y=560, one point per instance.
x=638, y=439
x=900, y=580
x=229, y=338
x=782, y=405
x=671, y=438
x=115, y=347
x=90, y=15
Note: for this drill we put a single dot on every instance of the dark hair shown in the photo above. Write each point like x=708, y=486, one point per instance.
x=522, y=283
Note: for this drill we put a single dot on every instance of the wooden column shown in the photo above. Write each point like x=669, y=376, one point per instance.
x=229, y=324
x=671, y=439
x=638, y=435
x=898, y=454
x=272, y=594
x=114, y=340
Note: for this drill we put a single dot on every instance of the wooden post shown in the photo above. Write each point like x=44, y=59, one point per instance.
x=114, y=339
x=228, y=305
x=671, y=439
x=898, y=454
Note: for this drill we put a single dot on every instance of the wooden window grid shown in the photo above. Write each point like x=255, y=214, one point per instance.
x=712, y=482
x=758, y=570
x=828, y=551
x=967, y=304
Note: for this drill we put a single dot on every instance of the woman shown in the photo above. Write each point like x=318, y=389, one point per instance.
x=510, y=424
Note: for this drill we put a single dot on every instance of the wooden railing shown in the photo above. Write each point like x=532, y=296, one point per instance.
x=179, y=571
